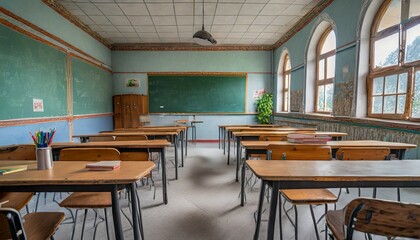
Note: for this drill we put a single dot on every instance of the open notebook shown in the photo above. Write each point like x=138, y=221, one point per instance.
x=103, y=165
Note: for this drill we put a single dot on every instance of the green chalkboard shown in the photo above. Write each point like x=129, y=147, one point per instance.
x=92, y=88
x=29, y=70
x=197, y=94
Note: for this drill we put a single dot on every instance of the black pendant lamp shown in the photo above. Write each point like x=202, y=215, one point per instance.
x=203, y=37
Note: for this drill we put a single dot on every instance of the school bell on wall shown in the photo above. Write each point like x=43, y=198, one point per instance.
x=203, y=37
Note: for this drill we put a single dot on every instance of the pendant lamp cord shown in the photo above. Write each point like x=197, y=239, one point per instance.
x=203, y=17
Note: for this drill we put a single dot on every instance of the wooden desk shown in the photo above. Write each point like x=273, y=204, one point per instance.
x=329, y=174
x=231, y=130
x=72, y=176
x=172, y=134
x=126, y=146
x=261, y=147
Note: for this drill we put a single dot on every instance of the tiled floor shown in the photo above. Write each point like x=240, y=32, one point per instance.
x=204, y=204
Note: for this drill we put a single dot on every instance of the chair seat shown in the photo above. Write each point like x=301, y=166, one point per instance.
x=42, y=225
x=335, y=222
x=16, y=200
x=87, y=200
x=309, y=196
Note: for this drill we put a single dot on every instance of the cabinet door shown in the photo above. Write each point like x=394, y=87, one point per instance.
x=126, y=111
x=135, y=110
x=117, y=112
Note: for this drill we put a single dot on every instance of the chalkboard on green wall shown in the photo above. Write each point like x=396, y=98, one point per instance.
x=197, y=94
x=92, y=88
x=29, y=70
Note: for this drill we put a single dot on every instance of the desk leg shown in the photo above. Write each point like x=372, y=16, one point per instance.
x=224, y=141
x=243, y=181
x=182, y=147
x=220, y=129
x=186, y=141
x=116, y=214
x=273, y=210
x=164, y=183
x=228, y=150
x=259, y=210
x=176, y=159
x=135, y=212
x=238, y=156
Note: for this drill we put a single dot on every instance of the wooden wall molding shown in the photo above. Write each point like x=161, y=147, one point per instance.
x=19, y=122
x=186, y=47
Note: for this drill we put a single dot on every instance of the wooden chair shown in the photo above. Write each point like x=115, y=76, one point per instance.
x=377, y=217
x=365, y=153
x=303, y=196
x=131, y=138
x=86, y=200
x=101, y=138
x=17, y=200
x=35, y=226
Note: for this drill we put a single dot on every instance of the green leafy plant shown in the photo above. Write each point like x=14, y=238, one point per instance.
x=265, y=108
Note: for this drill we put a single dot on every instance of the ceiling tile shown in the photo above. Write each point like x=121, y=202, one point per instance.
x=219, y=35
x=150, y=40
x=221, y=28
x=209, y=8
x=86, y=20
x=239, y=28
x=231, y=1
x=119, y=20
x=109, y=8
x=272, y=28
x=148, y=35
x=165, y=9
x=186, y=40
x=230, y=41
x=99, y=1
x=273, y=9
x=245, y=19
x=130, y=34
x=77, y=12
x=118, y=39
x=145, y=29
x=108, y=28
x=70, y=5
x=235, y=35
x=263, y=19
x=228, y=9
x=89, y=8
x=295, y=9
x=265, y=35
x=184, y=20
x=140, y=20
x=129, y=1
x=283, y=1
x=134, y=8
x=256, y=28
x=246, y=40
x=134, y=40
x=114, y=34
x=100, y=20
x=126, y=29
x=169, y=40
x=198, y=20
x=282, y=20
x=251, y=9
x=185, y=34
x=224, y=20
x=250, y=35
x=185, y=29
x=185, y=9
x=168, y=35
x=256, y=1
x=167, y=29
x=163, y=20
x=95, y=28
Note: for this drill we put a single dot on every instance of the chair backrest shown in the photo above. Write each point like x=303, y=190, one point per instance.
x=134, y=156
x=272, y=138
x=131, y=138
x=18, y=152
x=89, y=154
x=363, y=153
x=101, y=138
x=11, y=226
x=383, y=217
x=298, y=152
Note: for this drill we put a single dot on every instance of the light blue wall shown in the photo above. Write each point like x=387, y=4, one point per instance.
x=257, y=64
x=92, y=125
x=36, y=12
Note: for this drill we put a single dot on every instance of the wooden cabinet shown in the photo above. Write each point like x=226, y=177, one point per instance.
x=128, y=108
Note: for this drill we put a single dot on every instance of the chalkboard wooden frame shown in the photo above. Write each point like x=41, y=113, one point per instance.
x=229, y=96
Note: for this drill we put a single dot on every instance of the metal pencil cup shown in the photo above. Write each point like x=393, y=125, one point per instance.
x=44, y=158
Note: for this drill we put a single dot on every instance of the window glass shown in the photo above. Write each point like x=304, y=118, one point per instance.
x=402, y=83
x=412, y=48
x=321, y=71
x=416, y=98
x=378, y=85
x=392, y=15
x=287, y=67
x=377, y=104
x=331, y=67
x=401, y=104
x=391, y=84
x=328, y=97
x=414, y=8
x=321, y=98
x=386, y=51
x=389, y=104
x=329, y=43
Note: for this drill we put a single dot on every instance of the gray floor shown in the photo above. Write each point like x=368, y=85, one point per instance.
x=204, y=204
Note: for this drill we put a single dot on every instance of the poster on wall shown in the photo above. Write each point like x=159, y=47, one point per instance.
x=38, y=105
x=133, y=82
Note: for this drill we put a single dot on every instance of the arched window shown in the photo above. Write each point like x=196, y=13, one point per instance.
x=325, y=72
x=394, y=80
x=286, y=83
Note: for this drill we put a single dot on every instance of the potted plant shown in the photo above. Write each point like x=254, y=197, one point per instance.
x=265, y=108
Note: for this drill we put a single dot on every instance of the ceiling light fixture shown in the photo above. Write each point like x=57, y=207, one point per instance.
x=203, y=37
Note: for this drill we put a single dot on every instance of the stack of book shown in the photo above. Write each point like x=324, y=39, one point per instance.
x=307, y=138
x=103, y=165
